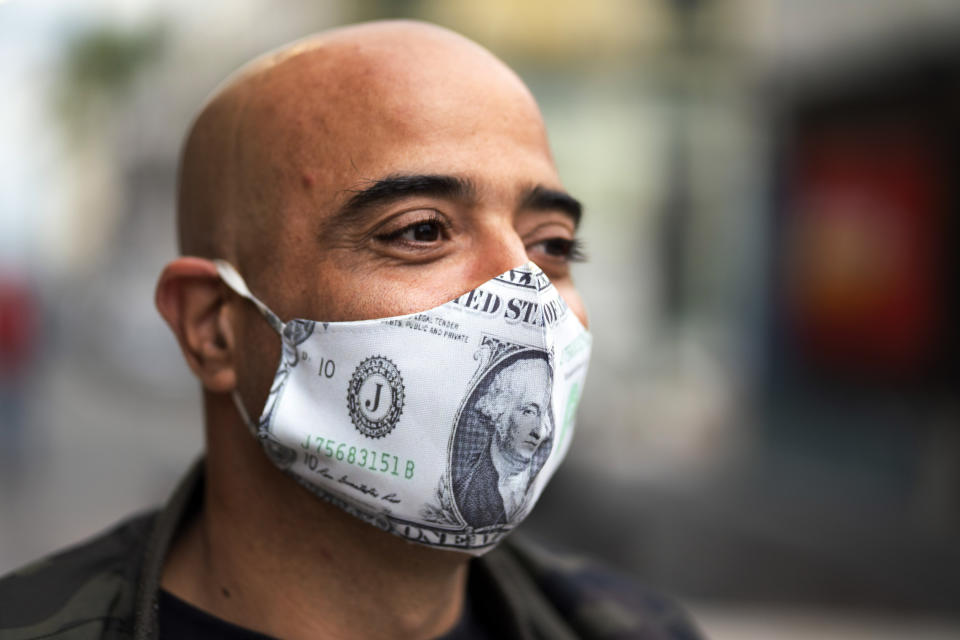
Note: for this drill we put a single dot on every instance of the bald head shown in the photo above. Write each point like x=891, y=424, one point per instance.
x=292, y=133
x=367, y=172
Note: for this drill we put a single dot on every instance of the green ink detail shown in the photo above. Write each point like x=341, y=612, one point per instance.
x=572, y=401
x=575, y=347
x=353, y=455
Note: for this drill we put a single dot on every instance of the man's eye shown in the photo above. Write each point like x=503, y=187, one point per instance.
x=423, y=231
x=564, y=248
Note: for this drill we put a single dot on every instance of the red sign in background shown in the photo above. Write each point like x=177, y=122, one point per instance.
x=864, y=241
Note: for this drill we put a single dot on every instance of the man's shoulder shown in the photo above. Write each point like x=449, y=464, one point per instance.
x=587, y=598
x=86, y=591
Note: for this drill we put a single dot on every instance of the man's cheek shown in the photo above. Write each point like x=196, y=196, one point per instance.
x=386, y=297
x=572, y=297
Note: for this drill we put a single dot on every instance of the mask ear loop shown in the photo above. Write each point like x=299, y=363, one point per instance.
x=242, y=410
x=235, y=281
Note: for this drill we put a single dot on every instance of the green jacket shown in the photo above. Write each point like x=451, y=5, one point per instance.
x=107, y=588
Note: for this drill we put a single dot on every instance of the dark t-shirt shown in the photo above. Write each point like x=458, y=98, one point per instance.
x=181, y=620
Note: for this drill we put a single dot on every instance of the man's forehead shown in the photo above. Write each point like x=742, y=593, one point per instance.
x=391, y=62
x=391, y=50
x=344, y=92
x=382, y=115
x=355, y=104
x=353, y=99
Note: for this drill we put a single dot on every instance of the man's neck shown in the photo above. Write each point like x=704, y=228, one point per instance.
x=266, y=555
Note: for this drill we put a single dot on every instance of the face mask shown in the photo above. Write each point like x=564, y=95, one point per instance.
x=442, y=426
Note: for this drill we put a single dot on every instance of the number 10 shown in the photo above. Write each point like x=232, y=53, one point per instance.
x=327, y=368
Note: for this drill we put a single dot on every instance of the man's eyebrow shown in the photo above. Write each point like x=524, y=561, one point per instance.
x=541, y=198
x=398, y=186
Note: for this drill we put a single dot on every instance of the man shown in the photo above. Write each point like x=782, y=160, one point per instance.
x=514, y=411
x=368, y=172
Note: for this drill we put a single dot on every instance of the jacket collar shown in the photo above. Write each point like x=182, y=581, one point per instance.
x=168, y=521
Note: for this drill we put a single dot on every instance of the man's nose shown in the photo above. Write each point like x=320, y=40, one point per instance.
x=501, y=249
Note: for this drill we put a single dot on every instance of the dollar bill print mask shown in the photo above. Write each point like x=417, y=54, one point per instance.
x=441, y=426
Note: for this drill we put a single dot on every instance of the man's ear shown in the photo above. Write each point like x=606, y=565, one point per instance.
x=190, y=297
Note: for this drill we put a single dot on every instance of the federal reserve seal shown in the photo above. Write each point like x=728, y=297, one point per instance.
x=375, y=397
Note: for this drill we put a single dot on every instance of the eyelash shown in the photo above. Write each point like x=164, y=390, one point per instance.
x=571, y=250
x=436, y=218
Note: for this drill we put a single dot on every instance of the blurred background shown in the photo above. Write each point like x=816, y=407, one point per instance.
x=771, y=429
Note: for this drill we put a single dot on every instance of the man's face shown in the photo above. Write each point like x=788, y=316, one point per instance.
x=397, y=186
